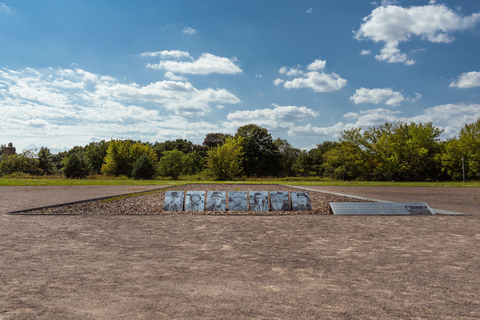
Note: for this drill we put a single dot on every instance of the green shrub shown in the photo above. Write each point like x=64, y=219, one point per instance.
x=75, y=167
x=143, y=168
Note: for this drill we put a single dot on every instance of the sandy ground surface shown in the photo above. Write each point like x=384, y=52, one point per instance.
x=22, y=198
x=464, y=200
x=237, y=267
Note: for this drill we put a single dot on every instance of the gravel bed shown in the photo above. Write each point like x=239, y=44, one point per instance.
x=152, y=203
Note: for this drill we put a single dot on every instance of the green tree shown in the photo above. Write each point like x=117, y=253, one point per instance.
x=467, y=146
x=143, y=168
x=94, y=154
x=182, y=145
x=312, y=162
x=75, y=167
x=213, y=140
x=122, y=154
x=261, y=155
x=45, y=161
x=26, y=162
x=288, y=156
x=171, y=164
x=193, y=163
x=225, y=162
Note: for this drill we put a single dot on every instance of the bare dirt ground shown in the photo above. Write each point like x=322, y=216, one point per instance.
x=21, y=198
x=236, y=267
x=464, y=200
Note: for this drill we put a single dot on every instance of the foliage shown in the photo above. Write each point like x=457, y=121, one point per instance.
x=143, y=168
x=182, y=145
x=171, y=164
x=26, y=162
x=261, y=155
x=213, y=140
x=94, y=154
x=287, y=156
x=45, y=161
x=75, y=167
x=193, y=163
x=397, y=151
x=313, y=161
x=121, y=155
x=225, y=162
x=470, y=145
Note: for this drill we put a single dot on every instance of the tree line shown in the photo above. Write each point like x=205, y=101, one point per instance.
x=394, y=151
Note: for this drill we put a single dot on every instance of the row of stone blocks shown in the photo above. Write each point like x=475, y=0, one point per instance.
x=237, y=201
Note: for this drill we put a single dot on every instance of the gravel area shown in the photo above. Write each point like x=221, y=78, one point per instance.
x=152, y=203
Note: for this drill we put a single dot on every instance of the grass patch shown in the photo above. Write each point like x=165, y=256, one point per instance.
x=296, y=181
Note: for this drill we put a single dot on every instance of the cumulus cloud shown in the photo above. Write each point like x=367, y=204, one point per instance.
x=317, y=65
x=377, y=96
x=290, y=71
x=450, y=117
x=189, y=30
x=392, y=25
x=70, y=106
x=309, y=10
x=319, y=81
x=170, y=75
x=365, y=52
x=467, y=80
x=207, y=63
x=176, y=54
x=271, y=118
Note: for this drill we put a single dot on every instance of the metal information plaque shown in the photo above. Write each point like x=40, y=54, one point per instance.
x=384, y=208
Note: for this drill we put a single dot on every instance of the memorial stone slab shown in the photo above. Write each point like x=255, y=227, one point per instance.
x=216, y=201
x=195, y=201
x=279, y=201
x=301, y=201
x=259, y=201
x=237, y=201
x=384, y=208
x=173, y=201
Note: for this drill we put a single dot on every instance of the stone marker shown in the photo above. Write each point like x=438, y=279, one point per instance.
x=173, y=201
x=279, y=201
x=385, y=208
x=217, y=201
x=259, y=201
x=301, y=201
x=195, y=201
x=237, y=201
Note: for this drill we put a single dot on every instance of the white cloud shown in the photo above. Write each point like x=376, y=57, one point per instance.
x=290, y=72
x=365, y=52
x=170, y=75
x=273, y=119
x=309, y=10
x=451, y=118
x=189, y=30
x=317, y=65
x=206, y=64
x=319, y=81
x=70, y=106
x=176, y=54
x=309, y=130
x=392, y=25
x=467, y=80
x=377, y=96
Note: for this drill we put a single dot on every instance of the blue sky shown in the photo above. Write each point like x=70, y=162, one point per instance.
x=72, y=72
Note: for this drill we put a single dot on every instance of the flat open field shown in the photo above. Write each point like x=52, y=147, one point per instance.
x=236, y=267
